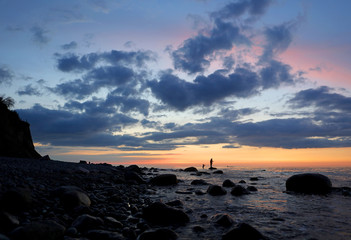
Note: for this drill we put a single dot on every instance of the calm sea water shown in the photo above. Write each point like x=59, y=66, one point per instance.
x=275, y=214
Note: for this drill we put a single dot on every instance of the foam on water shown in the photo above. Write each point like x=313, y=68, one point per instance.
x=273, y=212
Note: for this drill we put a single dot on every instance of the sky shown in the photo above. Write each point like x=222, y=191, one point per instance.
x=161, y=82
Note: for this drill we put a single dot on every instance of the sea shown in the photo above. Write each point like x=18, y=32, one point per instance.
x=272, y=211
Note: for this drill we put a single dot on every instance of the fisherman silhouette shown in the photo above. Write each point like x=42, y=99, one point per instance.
x=203, y=166
x=211, y=161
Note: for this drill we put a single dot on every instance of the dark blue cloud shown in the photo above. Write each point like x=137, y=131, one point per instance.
x=40, y=35
x=78, y=89
x=6, y=75
x=29, y=90
x=180, y=94
x=110, y=76
x=276, y=73
x=70, y=46
x=192, y=55
x=73, y=63
x=238, y=8
x=322, y=98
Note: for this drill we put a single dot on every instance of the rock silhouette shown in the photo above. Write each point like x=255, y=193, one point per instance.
x=309, y=183
x=15, y=136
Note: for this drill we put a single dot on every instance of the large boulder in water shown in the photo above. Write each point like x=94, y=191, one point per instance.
x=190, y=169
x=215, y=190
x=309, y=183
x=164, y=180
x=243, y=232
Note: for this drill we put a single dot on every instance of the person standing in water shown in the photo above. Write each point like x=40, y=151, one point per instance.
x=211, y=161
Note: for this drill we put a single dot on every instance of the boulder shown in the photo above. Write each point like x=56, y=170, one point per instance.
x=134, y=168
x=215, y=190
x=228, y=183
x=160, y=213
x=218, y=172
x=43, y=230
x=16, y=200
x=198, y=182
x=251, y=189
x=134, y=177
x=243, y=232
x=190, y=169
x=223, y=220
x=309, y=183
x=72, y=197
x=239, y=190
x=86, y=222
x=158, y=234
x=8, y=222
x=164, y=180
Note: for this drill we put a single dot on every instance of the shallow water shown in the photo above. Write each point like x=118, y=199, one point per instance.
x=276, y=214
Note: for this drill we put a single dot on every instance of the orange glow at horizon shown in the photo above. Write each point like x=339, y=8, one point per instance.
x=241, y=157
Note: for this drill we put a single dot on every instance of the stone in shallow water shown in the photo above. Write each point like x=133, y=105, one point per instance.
x=228, y=183
x=190, y=169
x=199, y=182
x=164, y=180
x=243, y=232
x=223, y=220
x=309, y=183
x=239, y=190
x=215, y=190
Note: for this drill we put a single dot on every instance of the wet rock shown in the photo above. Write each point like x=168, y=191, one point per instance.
x=175, y=203
x=158, y=234
x=309, y=183
x=72, y=197
x=198, y=229
x=251, y=189
x=8, y=222
x=228, y=183
x=215, y=190
x=110, y=221
x=218, y=172
x=105, y=235
x=199, y=182
x=134, y=176
x=86, y=222
x=16, y=200
x=160, y=213
x=239, y=190
x=48, y=230
x=199, y=192
x=242, y=181
x=254, y=179
x=243, y=232
x=223, y=220
x=3, y=237
x=190, y=169
x=134, y=168
x=164, y=180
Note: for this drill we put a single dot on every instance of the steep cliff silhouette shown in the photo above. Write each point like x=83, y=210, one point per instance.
x=15, y=137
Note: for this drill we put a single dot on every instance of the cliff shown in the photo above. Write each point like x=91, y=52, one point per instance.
x=15, y=137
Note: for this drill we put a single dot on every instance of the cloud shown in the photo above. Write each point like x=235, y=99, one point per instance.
x=40, y=35
x=73, y=63
x=192, y=55
x=180, y=94
x=6, y=75
x=323, y=99
x=29, y=90
x=276, y=73
x=77, y=88
x=69, y=46
x=239, y=8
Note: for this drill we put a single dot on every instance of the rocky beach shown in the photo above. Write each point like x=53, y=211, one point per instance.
x=47, y=199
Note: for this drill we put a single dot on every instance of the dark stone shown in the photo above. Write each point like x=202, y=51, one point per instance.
x=254, y=179
x=198, y=229
x=110, y=221
x=16, y=200
x=160, y=213
x=218, y=172
x=164, y=180
x=243, y=232
x=134, y=176
x=3, y=237
x=134, y=168
x=74, y=198
x=251, y=189
x=158, y=234
x=223, y=220
x=48, y=230
x=212, y=168
x=45, y=158
x=175, y=203
x=190, y=169
x=228, y=183
x=242, y=181
x=86, y=222
x=103, y=234
x=239, y=190
x=198, y=182
x=83, y=162
x=8, y=222
x=309, y=183
x=199, y=192
x=215, y=190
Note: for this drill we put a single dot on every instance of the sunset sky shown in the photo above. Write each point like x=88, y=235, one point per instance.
x=163, y=82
